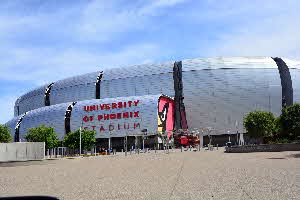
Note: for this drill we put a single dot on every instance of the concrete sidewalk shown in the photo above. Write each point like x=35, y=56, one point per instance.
x=177, y=175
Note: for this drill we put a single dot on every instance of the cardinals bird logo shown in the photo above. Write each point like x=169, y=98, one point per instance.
x=162, y=118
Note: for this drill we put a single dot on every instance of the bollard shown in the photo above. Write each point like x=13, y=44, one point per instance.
x=217, y=146
x=155, y=149
x=181, y=148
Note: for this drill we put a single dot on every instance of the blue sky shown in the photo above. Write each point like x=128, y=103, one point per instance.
x=43, y=41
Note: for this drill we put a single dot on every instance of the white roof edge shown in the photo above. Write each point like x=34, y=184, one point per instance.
x=292, y=63
x=228, y=62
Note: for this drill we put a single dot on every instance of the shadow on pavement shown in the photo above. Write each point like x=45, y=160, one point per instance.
x=29, y=198
x=296, y=155
x=25, y=163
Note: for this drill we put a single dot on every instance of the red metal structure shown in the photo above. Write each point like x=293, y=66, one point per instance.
x=185, y=139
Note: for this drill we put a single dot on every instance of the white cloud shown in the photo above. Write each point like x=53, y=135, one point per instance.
x=247, y=28
x=277, y=36
x=154, y=7
x=45, y=65
x=101, y=21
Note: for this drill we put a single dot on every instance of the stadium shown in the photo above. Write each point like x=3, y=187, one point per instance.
x=161, y=97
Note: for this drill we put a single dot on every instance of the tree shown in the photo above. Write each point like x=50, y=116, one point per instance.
x=43, y=134
x=290, y=121
x=277, y=126
x=259, y=124
x=88, y=139
x=5, y=136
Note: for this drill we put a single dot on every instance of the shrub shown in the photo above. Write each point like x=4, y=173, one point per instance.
x=43, y=134
x=88, y=139
x=5, y=136
x=259, y=124
x=290, y=121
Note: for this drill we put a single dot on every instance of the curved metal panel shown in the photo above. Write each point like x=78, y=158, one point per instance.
x=220, y=98
x=98, y=82
x=137, y=86
x=295, y=76
x=47, y=94
x=55, y=115
x=228, y=63
x=292, y=63
x=147, y=108
x=31, y=100
x=180, y=114
x=68, y=117
x=17, y=128
x=217, y=91
x=286, y=82
x=50, y=116
x=294, y=68
x=116, y=82
x=138, y=70
x=12, y=125
x=75, y=88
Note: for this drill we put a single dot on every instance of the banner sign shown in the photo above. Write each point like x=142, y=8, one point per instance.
x=112, y=119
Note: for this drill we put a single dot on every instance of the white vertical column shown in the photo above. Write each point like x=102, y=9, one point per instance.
x=201, y=140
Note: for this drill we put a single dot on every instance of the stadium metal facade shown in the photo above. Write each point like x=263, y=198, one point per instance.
x=208, y=92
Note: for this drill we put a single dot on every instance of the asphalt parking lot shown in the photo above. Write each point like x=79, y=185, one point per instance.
x=177, y=175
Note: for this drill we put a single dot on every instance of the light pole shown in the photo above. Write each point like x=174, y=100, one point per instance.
x=198, y=134
x=80, y=133
x=144, y=133
x=228, y=132
x=80, y=129
x=163, y=141
x=201, y=139
x=125, y=144
x=209, y=129
x=237, y=132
